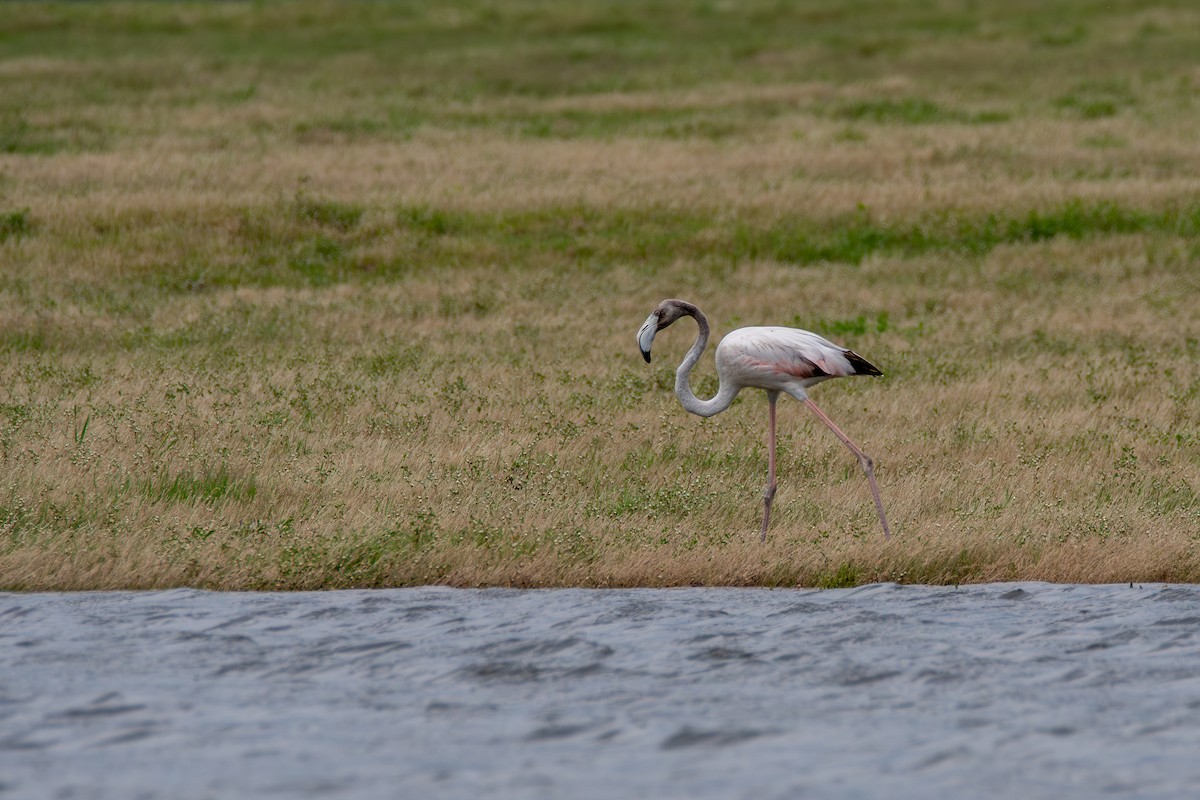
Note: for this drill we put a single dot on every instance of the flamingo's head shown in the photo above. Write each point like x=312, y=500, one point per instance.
x=667, y=312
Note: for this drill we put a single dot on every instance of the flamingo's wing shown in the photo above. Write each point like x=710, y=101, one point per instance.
x=788, y=353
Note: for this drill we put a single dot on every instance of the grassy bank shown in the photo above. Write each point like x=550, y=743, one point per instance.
x=313, y=295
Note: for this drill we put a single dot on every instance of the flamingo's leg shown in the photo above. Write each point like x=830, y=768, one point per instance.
x=865, y=460
x=769, y=492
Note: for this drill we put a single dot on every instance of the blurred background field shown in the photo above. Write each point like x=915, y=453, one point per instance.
x=320, y=294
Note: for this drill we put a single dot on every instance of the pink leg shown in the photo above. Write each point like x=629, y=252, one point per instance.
x=769, y=493
x=867, y=464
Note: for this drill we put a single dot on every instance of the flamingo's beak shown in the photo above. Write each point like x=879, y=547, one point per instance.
x=646, y=335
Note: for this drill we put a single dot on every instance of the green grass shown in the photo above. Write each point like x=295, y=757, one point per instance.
x=914, y=111
x=188, y=487
x=385, y=71
x=14, y=224
x=320, y=242
x=312, y=242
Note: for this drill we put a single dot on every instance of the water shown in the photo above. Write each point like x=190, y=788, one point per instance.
x=1015, y=690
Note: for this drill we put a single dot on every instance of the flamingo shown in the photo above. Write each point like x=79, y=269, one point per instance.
x=774, y=359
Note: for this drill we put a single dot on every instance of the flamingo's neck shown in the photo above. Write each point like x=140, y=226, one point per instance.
x=691, y=403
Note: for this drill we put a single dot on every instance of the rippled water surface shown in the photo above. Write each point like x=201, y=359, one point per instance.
x=1014, y=690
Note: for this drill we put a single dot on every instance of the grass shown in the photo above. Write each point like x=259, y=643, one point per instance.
x=14, y=224
x=316, y=295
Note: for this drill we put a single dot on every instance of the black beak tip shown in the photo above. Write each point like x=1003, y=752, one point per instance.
x=646, y=356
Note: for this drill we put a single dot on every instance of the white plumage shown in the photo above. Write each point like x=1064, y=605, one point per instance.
x=775, y=359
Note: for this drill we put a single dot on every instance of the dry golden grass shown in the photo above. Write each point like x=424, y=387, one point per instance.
x=279, y=325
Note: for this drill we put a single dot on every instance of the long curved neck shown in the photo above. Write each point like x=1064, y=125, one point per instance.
x=727, y=391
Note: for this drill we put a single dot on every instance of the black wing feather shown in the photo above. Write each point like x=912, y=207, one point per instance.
x=860, y=364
